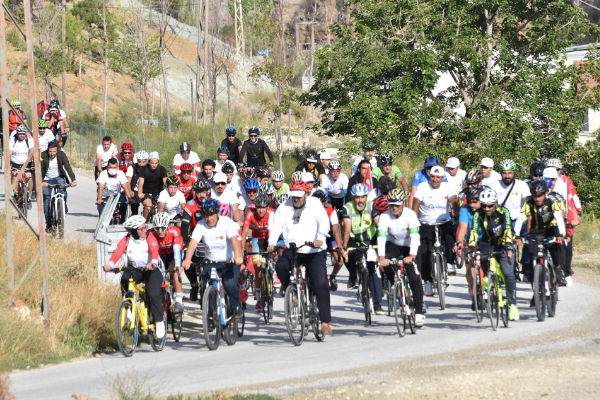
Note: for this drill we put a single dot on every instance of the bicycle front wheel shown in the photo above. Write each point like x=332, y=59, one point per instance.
x=439, y=273
x=211, y=322
x=316, y=319
x=399, y=309
x=25, y=201
x=389, y=290
x=127, y=334
x=294, y=315
x=492, y=302
x=366, y=294
x=60, y=218
x=553, y=298
x=539, y=292
x=230, y=331
x=478, y=296
x=241, y=324
x=265, y=297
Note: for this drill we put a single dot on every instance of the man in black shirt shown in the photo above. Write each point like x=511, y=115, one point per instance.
x=151, y=181
x=233, y=144
x=359, y=177
x=311, y=164
x=256, y=149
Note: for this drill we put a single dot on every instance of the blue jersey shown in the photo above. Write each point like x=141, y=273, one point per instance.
x=422, y=176
x=466, y=216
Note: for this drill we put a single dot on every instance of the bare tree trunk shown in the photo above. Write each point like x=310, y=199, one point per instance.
x=164, y=74
x=142, y=106
x=192, y=94
x=163, y=30
x=64, y=35
x=105, y=64
x=205, y=85
x=304, y=123
x=161, y=102
x=152, y=115
x=80, y=60
x=214, y=104
x=289, y=138
x=228, y=72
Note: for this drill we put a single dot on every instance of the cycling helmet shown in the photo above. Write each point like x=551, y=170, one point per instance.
x=154, y=155
x=297, y=176
x=223, y=149
x=134, y=222
x=537, y=168
x=210, y=207
x=312, y=156
x=474, y=177
x=508, y=165
x=473, y=193
x=488, y=196
x=381, y=204
x=360, y=189
x=21, y=129
x=320, y=194
x=396, y=197
x=242, y=165
x=230, y=131
x=385, y=159
x=42, y=123
x=55, y=103
x=141, y=155
x=538, y=187
x=431, y=162
x=200, y=185
x=126, y=146
x=387, y=185
x=266, y=188
x=161, y=220
x=368, y=145
x=549, y=182
x=254, y=129
x=248, y=173
x=262, y=200
x=52, y=109
x=16, y=104
x=172, y=181
x=281, y=198
x=262, y=172
x=277, y=176
x=227, y=168
x=251, y=184
x=185, y=146
x=299, y=185
x=335, y=165
x=186, y=167
x=316, y=179
x=554, y=162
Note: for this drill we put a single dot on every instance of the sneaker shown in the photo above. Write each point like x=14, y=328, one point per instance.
x=160, y=330
x=194, y=293
x=513, y=313
x=128, y=316
x=239, y=313
x=333, y=285
x=32, y=198
x=560, y=277
x=472, y=303
x=525, y=279
x=244, y=295
x=243, y=305
x=419, y=320
x=428, y=289
x=451, y=269
x=377, y=308
x=532, y=303
x=258, y=307
x=326, y=329
x=424, y=310
x=350, y=284
x=178, y=307
x=569, y=281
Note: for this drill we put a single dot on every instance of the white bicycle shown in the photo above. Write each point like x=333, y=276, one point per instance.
x=57, y=210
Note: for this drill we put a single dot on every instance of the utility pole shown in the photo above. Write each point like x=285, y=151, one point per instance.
x=64, y=35
x=201, y=37
x=205, y=84
x=240, y=47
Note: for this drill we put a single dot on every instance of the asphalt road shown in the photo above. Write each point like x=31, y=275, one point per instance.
x=265, y=353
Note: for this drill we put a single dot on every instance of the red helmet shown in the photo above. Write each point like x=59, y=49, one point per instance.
x=381, y=204
x=187, y=167
x=127, y=146
x=299, y=185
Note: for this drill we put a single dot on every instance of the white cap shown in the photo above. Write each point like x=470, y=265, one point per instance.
x=436, y=171
x=550, y=173
x=452, y=162
x=487, y=162
x=308, y=177
x=220, y=177
x=297, y=193
x=154, y=156
x=325, y=156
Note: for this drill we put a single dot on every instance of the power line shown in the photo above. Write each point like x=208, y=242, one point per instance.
x=587, y=4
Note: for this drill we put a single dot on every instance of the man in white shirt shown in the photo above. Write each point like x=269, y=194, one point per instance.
x=104, y=152
x=303, y=219
x=511, y=192
x=454, y=175
x=56, y=170
x=171, y=199
x=228, y=200
x=222, y=155
x=112, y=181
x=432, y=203
x=335, y=184
x=45, y=135
x=234, y=182
x=186, y=155
x=489, y=175
x=20, y=149
x=558, y=185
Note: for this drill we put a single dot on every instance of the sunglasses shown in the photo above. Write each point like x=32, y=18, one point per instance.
x=220, y=183
x=126, y=152
x=185, y=152
x=160, y=228
x=386, y=165
x=232, y=135
x=253, y=136
x=488, y=206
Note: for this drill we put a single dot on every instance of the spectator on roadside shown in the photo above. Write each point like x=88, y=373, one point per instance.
x=56, y=169
x=105, y=151
x=256, y=149
x=233, y=144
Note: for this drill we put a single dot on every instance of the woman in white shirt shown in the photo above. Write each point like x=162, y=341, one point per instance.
x=171, y=199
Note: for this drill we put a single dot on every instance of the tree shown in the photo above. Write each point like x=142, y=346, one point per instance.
x=512, y=93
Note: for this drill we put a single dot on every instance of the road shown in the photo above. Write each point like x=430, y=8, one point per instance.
x=265, y=353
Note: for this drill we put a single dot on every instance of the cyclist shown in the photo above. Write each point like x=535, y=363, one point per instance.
x=228, y=200
x=208, y=170
x=536, y=171
x=222, y=159
x=361, y=177
x=454, y=175
x=432, y=203
x=557, y=185
x=571, y=191
x=311, y=164
x=126, y=157
x=325, y=160
x=187, y=180
x=20, y=150
x=186, y=155
x=385, y=167
x=171, y=200
x=234, y=182
x=151, y=181
x=398, y=237
x=13, y=119
x=233, y=144
x=421, y=176
x=333, y=240
x=110, y=182
x=262, y=174
x=247, y=199
x=45, y=135
x=474, y=178
x=56, y=169
x=489, y=175
x=170, y=245
x=301, y=220
x=133, y=174
x=381, y=192
x=269, y=190
x=358, y=229
x=141, y=249
x=335, y=184
x=257, y=221
x=368, y=148
x=280, y=186
x=191, y=216
x=221, y=236
x=104, y=152
x=557, y=191
x=309, y=179
x=496, y=235
x=56, y=118
x=256, y=149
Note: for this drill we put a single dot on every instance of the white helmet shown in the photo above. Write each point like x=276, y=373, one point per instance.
x=360, y=189
x=277, y=176
x=335, y=165
x=154, y=155
x=297, y=176
x=488, y=196
x=141, y=155
x=554, y=162
x=161, y=220
x=134, y=222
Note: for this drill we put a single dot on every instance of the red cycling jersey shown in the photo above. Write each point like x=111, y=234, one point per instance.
x=191, y=207
x=124, y=163
x=165, y=245
x=186, y=187
x=260, y=228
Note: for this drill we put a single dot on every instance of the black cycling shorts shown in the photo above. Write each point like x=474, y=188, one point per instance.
x=167, y=258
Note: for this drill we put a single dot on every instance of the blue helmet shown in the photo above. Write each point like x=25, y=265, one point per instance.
x=210, y=207
x=230, y=131
x=431, y=162
x=360, y=189
x=251, y=184
x=223, y=149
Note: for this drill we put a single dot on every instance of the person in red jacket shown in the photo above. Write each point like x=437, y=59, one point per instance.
x=187, y=180
x=13, y=119
x=125, y=157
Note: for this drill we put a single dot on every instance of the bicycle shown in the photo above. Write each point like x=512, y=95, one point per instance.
x=172, y=317
x=267, y=286
x=133, y=315
x=154, y=206
x=478, y=292
x=402, y=299
x=545, y=285
x=363, y=293
x=57, y=210
x=300, y=316
x=497, y=299
x=439, y=271
x=218, y=318
x=21, y=198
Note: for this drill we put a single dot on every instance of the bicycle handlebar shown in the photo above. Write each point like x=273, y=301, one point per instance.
x=175, y=270
x=543, y=241
x=361, y=248
x=59, y=185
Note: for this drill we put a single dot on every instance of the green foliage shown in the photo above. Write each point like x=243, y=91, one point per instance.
x=75, y=43
x=89, y=12
x=15, y=39
x=583, y=167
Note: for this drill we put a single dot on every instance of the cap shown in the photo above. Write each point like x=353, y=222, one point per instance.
x=308, y=177
x=431, y=162
x=436, y=171
x=325, y=156
x=452, y=162
x=311, y=159
x=550, y=173
x=487, y=162
x=154, y=155
x=220, y=178
x=297, y=193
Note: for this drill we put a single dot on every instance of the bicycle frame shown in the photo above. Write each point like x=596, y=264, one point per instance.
x=139, y=308
x=216, y=281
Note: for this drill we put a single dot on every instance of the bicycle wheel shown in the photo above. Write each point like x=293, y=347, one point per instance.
x=411, y=307
x=553, y=298
x=539, y=292
x=399, y=309
x=478, y=296
x=176, y=318
x=25, y=201
x=156, y=343
x=389, y=295
x=315, y=320
x=241, y=323
x=439, y=273
x=492, y=302
x=60, y=218
x=294, y=315
x=366, y=295
x=211, y=322
x=127, y=336
x=504, y=313
x=265, y=297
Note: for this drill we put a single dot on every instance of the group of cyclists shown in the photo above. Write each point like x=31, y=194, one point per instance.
x=219, y=210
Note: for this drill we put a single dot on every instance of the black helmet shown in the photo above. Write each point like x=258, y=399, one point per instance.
x=537, y=168
x=320, y=194
x=385, y=158
x=173, y=181
x=474, y=177
x=538, y=187
x=387, y=185
x=368, y=145
x=254, y=129
x=262, y=172
x=54, y=103
x=227, y=168
x=210, y=207
x=312, y=155
x=473, y=193
x=185, y=146
x=200, y=185
x=262, y=200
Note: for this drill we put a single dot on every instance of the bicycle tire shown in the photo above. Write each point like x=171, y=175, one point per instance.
x=504, y=313
x=412, y=323
x=366, y=295
x=265, y=298
x=60, y=219
x=390, y=296
x=440, y=280
x=123, y=332
x=271, y=294
x=230, y=330
x=25, y=201
x=478, y=297
x=210, y=318
x=539, y=293
x=462, y=259
x=399, y=310
x=157, y=344
x=176, y=318
x=294, y=315
x=492, y=302
x=241, y=324
x=553, y=298
x=316, y=320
